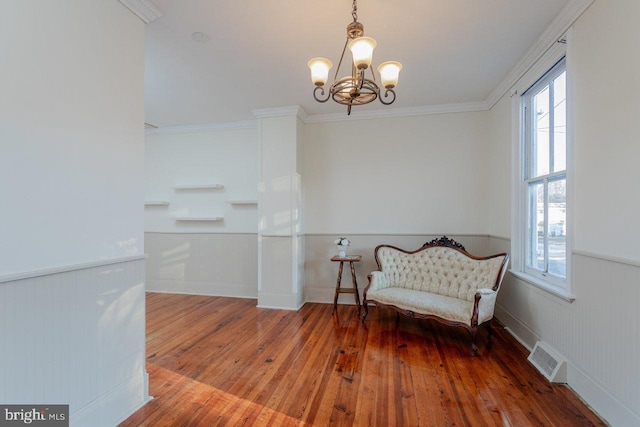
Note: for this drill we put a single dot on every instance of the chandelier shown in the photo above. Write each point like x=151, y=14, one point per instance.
x=355, y=89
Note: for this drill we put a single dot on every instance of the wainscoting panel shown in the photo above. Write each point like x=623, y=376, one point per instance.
x=76, y=337
x=321, y=274
x=599, y=333
x=219, y=264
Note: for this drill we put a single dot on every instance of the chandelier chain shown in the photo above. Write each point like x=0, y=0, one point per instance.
x=354, y=11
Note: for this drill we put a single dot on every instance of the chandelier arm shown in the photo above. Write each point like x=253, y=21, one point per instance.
x=344, y=49
x=321, y=93
x=386, y=94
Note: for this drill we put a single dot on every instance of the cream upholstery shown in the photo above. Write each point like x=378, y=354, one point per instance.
x=438, y=270
x=442, y=282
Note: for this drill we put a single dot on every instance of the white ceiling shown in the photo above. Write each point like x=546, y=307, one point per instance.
x=452, y=51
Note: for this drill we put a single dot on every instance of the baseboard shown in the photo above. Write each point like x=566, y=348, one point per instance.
x=603, y=403
x=202, y=288
x=114, y=407
x=610, y=409
x=281, y=302
x=521, y=332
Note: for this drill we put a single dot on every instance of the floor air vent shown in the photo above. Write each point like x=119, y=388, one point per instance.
x=549, y=363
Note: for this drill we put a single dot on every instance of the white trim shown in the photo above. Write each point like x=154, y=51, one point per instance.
x=279, y=301
x=203, y=232
x=143, y=9
x=157, y=286
x=601, y=401
x=417, y=234
x=560, y=24
x=201, y=128
x=543, y=285
x=324, y=118
x=292, y=110
x=400, y=112
x=609, y=258
x=567, y=16
x=126, y=398
x=66, y=268
x=518, y=200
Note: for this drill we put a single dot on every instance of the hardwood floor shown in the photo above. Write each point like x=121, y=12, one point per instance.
x=223, y=362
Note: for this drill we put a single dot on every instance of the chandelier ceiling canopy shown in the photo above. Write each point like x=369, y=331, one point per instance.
x=355, y=89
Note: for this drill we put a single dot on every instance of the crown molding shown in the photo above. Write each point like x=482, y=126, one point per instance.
x=299, y=112
x=400, y=112
x=292, y=110
x=560, y=24
x=143, y=9
x=210, y=127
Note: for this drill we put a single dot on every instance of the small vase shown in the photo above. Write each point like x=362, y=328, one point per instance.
x=342, y=251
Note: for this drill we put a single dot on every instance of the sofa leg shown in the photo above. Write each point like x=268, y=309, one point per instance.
x=474, y=345
x=366, y=310
x=490, y=334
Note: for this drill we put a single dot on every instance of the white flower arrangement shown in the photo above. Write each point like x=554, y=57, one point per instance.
x=342, y=241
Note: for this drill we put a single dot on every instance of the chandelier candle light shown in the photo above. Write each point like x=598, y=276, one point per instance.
x=355, y=89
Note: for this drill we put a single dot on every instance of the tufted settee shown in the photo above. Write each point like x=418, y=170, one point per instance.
x=440, y=281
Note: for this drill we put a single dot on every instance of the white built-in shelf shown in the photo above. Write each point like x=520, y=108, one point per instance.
x=198, y=218
x=198, y=186
x=156, y=203
x=242, y=202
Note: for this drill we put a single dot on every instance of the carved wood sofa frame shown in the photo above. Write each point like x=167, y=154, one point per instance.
x=474, y=325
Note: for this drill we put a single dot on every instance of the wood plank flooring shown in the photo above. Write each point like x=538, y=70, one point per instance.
x=216, y=361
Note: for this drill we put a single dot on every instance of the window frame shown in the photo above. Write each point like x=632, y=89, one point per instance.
x=530, y=178
x=553, y=63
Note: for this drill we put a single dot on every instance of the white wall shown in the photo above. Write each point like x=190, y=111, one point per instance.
x=599, y=332
x=227, y=157
x=70, y=133
x=420, y=174
x=607, y=136
x=202, y=257
x=498, y=212
x=71, y=167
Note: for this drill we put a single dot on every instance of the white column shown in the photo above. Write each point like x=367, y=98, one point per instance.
x=280, y=238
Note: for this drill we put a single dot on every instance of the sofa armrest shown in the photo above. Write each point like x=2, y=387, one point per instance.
x=486, y=302
x=377, y=280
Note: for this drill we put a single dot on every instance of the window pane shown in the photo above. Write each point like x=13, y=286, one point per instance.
x=535, y=242
x=557, y=227
x=541, y=133
x=560, y=123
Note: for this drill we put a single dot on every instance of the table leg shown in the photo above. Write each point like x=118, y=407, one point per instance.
x=355, y=286
x=335, y=298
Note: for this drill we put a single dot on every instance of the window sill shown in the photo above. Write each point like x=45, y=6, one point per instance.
x=560, y=293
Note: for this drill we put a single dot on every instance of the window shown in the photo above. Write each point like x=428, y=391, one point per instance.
x=544, y=178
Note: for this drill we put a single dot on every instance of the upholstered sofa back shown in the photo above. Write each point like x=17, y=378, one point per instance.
x=440, y=270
